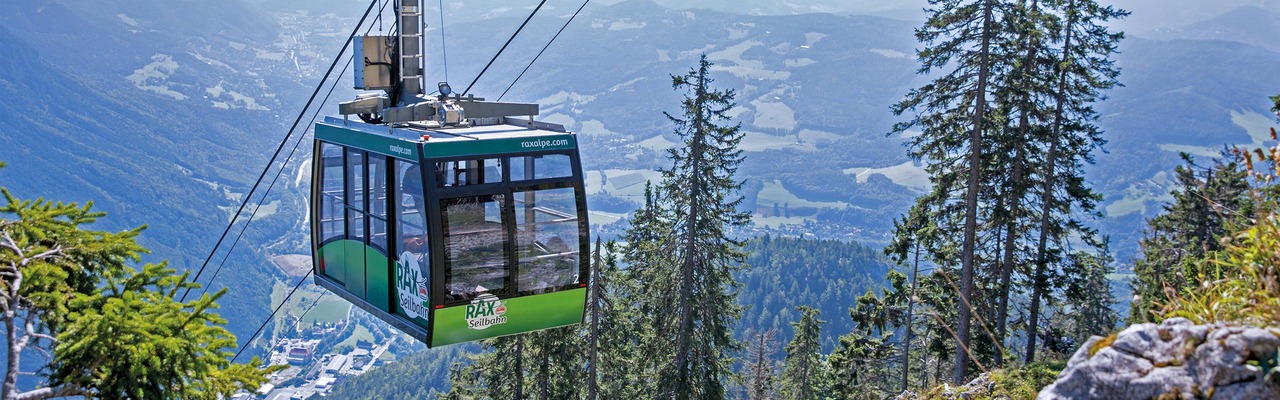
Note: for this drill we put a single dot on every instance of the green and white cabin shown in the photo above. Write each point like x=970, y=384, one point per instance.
x=452, y=218
x=452, y=234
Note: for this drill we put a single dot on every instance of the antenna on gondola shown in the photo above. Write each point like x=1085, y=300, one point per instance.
x=392, y=67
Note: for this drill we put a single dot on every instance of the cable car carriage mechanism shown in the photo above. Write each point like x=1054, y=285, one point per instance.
x=451, y=218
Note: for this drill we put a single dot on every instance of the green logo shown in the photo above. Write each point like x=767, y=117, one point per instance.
x=412, y=287
x=485, y=311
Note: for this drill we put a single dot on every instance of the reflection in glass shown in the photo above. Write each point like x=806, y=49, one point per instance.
x=541, y=167
x=331, y=198
x=474, y=245
x=547, y=239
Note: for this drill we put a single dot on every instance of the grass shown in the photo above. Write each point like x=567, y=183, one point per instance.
x=361, y=333
x=905, y=174
x=775, y=192
x=329, y=310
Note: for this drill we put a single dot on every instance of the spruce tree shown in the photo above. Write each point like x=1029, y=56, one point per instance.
x=1084, y=72
x=107, y=330
x=646, y=285
x=1208, y=202
x=952, y=111
x=1088, y=293
x=803, y=363
x=761, y=367
x=696, y=305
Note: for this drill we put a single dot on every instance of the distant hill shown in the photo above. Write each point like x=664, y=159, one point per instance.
x=1251, y=24
x=163, y=111
x=133, y=105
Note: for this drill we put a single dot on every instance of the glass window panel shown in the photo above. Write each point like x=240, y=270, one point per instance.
x=541, y=167
x=468, y=172
x=331, y=198
x=355, y=177
x=378, y=233
x=378, y=186
x=355, y=225
x=378, y=202
x=475, y=243
x=547, y=239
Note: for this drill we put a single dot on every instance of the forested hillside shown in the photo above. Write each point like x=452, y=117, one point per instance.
x=783, y=273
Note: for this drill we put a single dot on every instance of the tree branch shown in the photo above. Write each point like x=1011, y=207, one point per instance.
x=52, y=392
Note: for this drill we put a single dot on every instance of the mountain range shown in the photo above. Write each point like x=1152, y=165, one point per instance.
x=164, y=112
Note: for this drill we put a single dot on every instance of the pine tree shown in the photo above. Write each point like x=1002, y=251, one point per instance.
x=803, y=365
x=760, y=365
x=959, y=34
x=1085, y=70
x=114, y=332
x=1207, y=203
x=699, y=306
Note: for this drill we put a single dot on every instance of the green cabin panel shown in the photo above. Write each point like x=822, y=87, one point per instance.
x=334, y=260
x=485, y=319
x=354, y=259
x=378, y=284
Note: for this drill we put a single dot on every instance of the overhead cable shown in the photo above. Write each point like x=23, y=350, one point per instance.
x=504, y=47
x=544, y=48
x=280, y=148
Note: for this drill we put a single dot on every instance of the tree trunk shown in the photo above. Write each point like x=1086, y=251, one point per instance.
x=11, y=334
x=971, y=199
x=517, y=380
x=593, y=342
x=1047, y=195
x=1015, y=208
x=688, y=263
x=911, y=306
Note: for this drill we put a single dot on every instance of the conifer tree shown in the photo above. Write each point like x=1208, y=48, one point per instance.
x=1207, y=203
x=952, y=111
x=646, y=284
x=1088, y=293
x=760, y=365
x=1084, y=72
x=698, y=305
x=802, y=367
x=114, y=332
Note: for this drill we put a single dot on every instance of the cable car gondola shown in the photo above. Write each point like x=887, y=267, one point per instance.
x=451, y=218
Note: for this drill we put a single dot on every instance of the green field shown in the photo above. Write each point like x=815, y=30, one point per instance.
x=361, y=333
x=905, y=174
x=775, y=193
x=330, y=309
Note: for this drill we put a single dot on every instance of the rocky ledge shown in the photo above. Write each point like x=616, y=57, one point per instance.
x=1173, y=360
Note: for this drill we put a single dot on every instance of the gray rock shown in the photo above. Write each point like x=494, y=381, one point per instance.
x=1175, y=359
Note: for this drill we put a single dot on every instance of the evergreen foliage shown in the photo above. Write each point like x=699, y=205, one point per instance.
x=698, y=310
x=803, y=367
x=760, y=364
x=114, y=332
x=1006, y=128
x=1208, y=202
x=826, y=275
x=1239, y=282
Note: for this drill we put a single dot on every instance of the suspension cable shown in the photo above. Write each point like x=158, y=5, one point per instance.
x=544, y=48
x=280, y=148
x=444, y=49
x=245, y=345
x=280, y=172
x=382, y=8
x=504, y=47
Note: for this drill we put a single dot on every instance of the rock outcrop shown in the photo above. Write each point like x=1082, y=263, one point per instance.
x=1173, y=360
